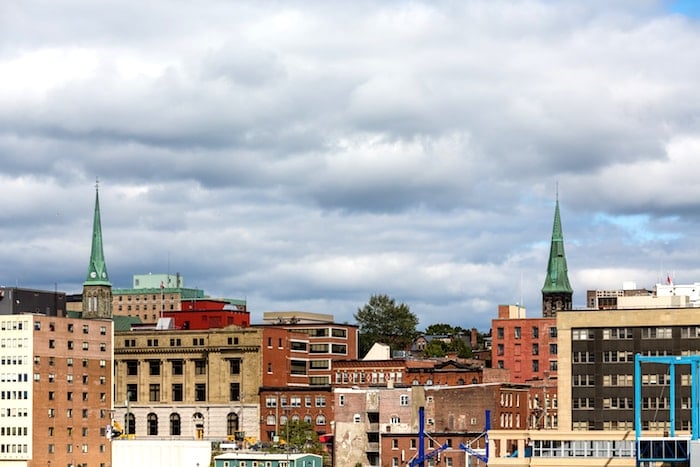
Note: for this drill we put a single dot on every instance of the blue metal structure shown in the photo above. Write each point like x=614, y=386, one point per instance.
x=667, y=449
x=421, y=457
x=485, y=434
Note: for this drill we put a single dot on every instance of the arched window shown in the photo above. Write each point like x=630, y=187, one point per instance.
x=460, y=382
x=231, y=424
x=283, y=419
x=152, y=421
x=307, y=418
x=130, y=424
x=175, y=424
x=320, y=419
x=295, y=418
x=271, y=420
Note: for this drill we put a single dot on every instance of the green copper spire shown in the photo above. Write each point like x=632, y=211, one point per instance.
x=557, y=279
x=97, y=269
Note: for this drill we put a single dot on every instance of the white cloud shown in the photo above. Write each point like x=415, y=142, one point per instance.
x=306, y=155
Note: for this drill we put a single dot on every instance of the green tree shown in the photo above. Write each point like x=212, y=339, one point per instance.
x=435, y=348
x=459, y=345
x=382, y=320
x=301, y=436
x=440, y=329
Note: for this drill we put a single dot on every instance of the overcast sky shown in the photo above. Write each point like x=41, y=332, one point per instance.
x=306, y=155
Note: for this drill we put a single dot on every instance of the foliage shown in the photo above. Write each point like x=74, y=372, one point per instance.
x=440, y=329
x=300, y=436
x=457, y=343
x=382, y=320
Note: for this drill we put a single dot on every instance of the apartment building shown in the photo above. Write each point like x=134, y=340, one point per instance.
x=55, y=399
x=298, y=351
x=597, y=348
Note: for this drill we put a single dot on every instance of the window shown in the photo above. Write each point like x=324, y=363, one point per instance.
x=132, y=391
x=535, y=365
x=394, y=419
x=200, y=367
x=232, y=425
x=320, y=401
x=535, y=332
x=320, y=419
x=581, y=334
x=86, y=329
x=174, y=424
x=535, y=349
x=154, y=367
x=177, y=392
x=130, y=424
x=152, y=424
x=132, y=367
x=617, y=333
x=235, y=391
x=235, y=366
x=500, y=333
x=403, y=399
x=154, y=392
x=553, y=349
x=270, y=401
x=657, y=333
x=552, y=331
x=200, y=392
x=341, y=400
x=500, y=349
x=177, y=367
x=517, y=332
x=394, y=444
x=103, y=330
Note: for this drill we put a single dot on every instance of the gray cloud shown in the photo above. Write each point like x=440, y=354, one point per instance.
x=305, y=155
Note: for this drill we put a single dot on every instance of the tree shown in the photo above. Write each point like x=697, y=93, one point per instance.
x=439, y=329
x=300, y=436
x=382, y=320
x=435, y=348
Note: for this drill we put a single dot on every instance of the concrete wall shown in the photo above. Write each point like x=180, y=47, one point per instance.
x=160, y=453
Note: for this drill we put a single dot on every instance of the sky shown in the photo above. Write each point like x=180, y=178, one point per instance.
x=307, y=155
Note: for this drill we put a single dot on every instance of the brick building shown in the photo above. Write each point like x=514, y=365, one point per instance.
x=56, y=400
x=298, y=351
x=380, y=426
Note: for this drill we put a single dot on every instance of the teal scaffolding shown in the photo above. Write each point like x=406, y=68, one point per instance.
x=668, y=448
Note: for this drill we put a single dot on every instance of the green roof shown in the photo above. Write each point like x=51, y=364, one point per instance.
x=97, y=269
x=123, y=323
x=557, y=279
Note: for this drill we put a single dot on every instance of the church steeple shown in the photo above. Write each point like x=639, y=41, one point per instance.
x=556, y=292
x=97, y=290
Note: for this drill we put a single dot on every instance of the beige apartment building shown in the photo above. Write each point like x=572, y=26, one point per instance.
x=189, y=384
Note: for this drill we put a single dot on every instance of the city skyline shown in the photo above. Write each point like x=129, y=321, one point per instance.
x=305, y=156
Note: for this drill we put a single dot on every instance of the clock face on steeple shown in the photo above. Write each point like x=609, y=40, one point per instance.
x=93, y=274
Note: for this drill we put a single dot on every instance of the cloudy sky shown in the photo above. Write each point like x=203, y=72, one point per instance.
x=306, y=155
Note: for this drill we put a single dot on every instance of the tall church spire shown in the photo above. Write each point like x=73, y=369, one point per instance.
x=97, y=290
x=556, y=292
